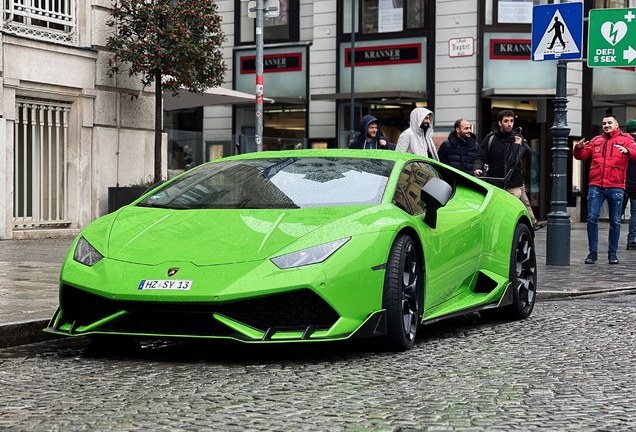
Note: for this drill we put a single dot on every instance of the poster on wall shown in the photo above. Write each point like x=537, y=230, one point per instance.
x=515, y=11
x=390, y=16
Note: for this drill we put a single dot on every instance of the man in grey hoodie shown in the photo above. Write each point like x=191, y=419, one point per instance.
x=418, y=138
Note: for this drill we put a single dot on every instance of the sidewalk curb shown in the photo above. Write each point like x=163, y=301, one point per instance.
x=563, y=295
x=23, y=333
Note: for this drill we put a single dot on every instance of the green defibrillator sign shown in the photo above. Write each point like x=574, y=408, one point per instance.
x=611, y=37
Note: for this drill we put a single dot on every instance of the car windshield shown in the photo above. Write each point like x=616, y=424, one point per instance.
x=276, y=183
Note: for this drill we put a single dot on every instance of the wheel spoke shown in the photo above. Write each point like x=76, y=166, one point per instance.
x=526, y=271
x=408, y=319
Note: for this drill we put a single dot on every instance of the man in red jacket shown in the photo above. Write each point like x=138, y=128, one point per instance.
x=610, y=152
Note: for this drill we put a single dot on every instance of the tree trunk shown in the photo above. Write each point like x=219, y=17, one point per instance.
x=158, y=126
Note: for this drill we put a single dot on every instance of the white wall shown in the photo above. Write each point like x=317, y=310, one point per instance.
x=217, y=120
x=322, y=71
x=456, y=85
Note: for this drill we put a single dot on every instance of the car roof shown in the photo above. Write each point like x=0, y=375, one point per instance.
x=391, y=155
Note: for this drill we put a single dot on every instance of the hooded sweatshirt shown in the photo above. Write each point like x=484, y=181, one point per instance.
x=360, y=142
x=417, y=140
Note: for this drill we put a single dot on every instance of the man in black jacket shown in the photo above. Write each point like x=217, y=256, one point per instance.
x=461, y=147
x=630, y=190
x=502, y=150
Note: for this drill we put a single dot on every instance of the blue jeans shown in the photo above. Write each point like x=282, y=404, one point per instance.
x=595, y=197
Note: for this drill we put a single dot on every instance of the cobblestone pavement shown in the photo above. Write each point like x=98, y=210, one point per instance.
x=29, y=273
x=569, y=367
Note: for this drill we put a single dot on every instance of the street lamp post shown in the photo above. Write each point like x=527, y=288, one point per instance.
x=258, y=137
x=558, y=235
x=352, y=60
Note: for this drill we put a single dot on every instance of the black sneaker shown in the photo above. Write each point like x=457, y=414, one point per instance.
x=591, y=258
x=631, y=246
x=612, y=259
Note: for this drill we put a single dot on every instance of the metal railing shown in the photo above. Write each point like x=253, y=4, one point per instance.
x=40, y=194
x=40, y=19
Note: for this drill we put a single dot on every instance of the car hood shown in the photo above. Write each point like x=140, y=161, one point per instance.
x=211, y=237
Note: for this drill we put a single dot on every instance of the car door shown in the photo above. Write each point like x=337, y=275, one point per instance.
x=451, y=250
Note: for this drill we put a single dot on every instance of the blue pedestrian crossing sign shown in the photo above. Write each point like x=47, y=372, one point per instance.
x=557, y=31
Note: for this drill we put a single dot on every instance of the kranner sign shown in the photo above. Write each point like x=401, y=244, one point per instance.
x=510, y=49
x=385, y=55
x=287, y=62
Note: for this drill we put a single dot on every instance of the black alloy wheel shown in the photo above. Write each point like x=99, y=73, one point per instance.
x=523, y=274
x=402, y=297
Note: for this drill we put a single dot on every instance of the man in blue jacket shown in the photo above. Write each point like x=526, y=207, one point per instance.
x=370, y=136
x=461, y=147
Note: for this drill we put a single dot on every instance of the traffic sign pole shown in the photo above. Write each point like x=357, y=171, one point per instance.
x=557, y=34
x=259, y=76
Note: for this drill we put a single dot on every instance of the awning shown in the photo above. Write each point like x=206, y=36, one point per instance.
x=377, y=97
x=212, y=96
x=614, y=100
x=523, y=93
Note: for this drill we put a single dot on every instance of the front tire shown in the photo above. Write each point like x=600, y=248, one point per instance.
x=402, y=295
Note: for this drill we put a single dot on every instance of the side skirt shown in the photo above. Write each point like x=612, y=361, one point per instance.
x=505, y=300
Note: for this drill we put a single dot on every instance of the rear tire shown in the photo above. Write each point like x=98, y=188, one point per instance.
x=402, y=295
x=522, y=276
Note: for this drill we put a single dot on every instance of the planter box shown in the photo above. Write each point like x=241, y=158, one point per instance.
x=121, y=196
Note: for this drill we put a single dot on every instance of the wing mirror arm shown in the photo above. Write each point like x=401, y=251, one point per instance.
x=435, y=194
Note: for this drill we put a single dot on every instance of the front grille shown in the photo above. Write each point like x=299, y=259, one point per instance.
x=293, y=310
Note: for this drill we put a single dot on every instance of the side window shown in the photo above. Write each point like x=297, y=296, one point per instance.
x=413, y=178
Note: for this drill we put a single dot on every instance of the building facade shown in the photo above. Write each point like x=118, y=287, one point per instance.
x=460, y=59
x=68, y=132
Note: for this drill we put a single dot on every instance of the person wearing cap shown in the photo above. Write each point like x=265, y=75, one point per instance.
x=370, y=136
x=630, y=190
x=610, y=153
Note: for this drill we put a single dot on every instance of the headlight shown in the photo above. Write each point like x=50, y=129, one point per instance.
x=310, y=255
x=85, y=253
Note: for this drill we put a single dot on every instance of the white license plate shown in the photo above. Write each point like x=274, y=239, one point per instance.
x=179, y=285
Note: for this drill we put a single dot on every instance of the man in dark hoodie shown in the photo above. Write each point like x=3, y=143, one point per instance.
x=461, y=148
x=502, y=150
x=370, y=136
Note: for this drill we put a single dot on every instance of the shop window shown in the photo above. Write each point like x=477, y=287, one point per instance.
x=515, y=11
x=383, y=16
x=614, y=4
x=283, y=28
x=520, y=11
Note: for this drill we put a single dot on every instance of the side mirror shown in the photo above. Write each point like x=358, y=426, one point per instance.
x=435, y=194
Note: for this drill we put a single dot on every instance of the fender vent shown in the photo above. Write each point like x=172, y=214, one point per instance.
x=484, y=284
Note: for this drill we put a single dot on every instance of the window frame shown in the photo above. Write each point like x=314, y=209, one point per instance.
x=360, y=36
x=55, y=21
x=293, y=24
